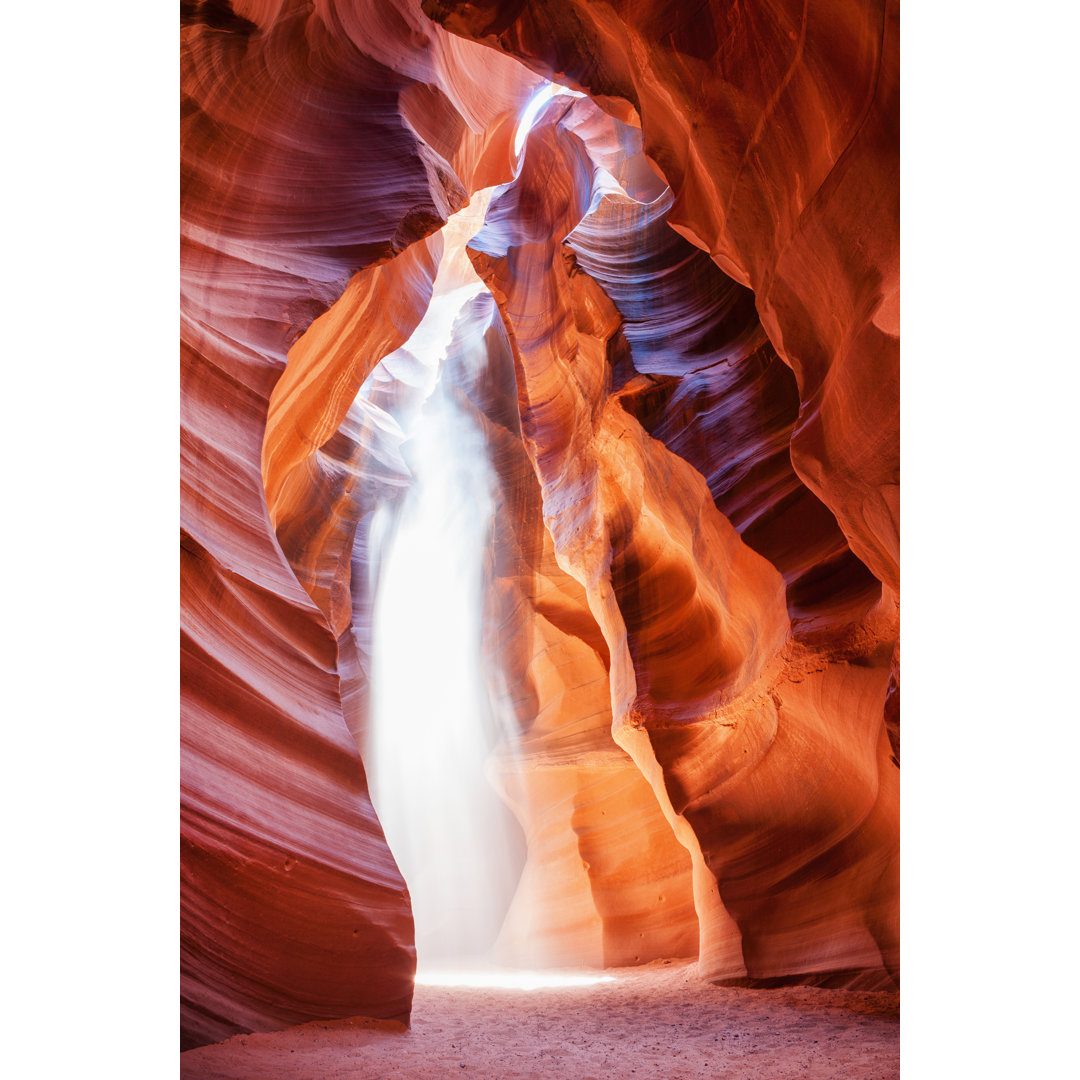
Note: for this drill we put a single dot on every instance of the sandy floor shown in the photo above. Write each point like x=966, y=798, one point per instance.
x=655, y=1021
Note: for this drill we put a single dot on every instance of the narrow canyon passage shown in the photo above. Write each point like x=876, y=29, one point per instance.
x=539, y=536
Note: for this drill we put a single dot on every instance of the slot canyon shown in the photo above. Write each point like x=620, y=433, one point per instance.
x=539, y=533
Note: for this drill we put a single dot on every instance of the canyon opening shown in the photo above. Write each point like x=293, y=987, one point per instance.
x=539, y=539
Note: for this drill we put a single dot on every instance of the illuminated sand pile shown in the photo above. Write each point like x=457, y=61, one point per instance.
x=540, y=477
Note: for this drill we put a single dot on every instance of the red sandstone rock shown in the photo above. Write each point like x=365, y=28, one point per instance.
x=696, y=651
x=692, y=478
x=753, y=184
x=300, y=166
x=776, y=126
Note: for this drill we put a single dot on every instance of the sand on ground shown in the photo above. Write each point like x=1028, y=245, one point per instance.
x=660, y=1020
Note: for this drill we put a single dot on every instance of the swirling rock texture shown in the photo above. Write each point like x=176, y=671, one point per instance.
x=301, y=167
x=688, y=390
x=776, y=124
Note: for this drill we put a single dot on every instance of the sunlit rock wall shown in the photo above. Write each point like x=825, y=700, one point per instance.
x=710, y=642
x=776, y=127
x=690, y=399
x=776, y=123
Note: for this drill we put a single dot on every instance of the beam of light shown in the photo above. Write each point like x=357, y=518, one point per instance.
x=431, y=713
x=532, y=110
x=432, y=723
x=509, y=980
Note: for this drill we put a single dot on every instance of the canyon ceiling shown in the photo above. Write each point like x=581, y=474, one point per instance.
x=688, y=389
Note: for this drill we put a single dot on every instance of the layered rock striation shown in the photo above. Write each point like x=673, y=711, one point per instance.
x=733, y=717
x=776, y=125
x=681, y=351
x=301, y=167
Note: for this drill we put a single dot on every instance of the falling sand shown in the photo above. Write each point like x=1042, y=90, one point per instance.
x=660, y=1020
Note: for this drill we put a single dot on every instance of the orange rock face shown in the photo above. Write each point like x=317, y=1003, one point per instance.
x=777, y=127
x=683, y=364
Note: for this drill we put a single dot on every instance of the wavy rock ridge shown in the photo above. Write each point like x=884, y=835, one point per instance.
x=688, y=390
